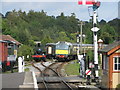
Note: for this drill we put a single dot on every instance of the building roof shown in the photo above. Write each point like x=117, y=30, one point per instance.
x=110, y=47
x=9, y=38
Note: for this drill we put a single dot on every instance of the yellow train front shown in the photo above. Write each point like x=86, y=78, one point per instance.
x=63, y=51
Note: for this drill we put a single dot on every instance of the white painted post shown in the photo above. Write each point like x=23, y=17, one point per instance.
x=20, y=64
x=23, y=63
x=95, y=29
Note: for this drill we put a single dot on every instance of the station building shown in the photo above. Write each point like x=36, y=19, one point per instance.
x=111, y=65
x=8, y=51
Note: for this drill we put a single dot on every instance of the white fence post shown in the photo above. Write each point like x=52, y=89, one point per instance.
x=20, y=64
x=23, y=63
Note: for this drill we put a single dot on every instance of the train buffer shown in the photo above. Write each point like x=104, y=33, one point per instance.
x=70, y=79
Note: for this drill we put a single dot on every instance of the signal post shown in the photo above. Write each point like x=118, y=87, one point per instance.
x=95, y=5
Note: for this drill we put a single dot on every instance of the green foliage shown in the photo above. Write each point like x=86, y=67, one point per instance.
x=62, y=36
x=73, y=37
x=47, y=39
x=90, y=54
x=118, y=86
x=39, y=26
x=107, y=33
x=25, y=50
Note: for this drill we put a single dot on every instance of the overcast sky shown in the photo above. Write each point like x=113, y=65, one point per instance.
x=107, y=10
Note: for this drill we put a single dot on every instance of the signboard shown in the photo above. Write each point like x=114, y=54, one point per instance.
x=15, y=53
x=88, y=72
x=86, y=2
x=11, y=58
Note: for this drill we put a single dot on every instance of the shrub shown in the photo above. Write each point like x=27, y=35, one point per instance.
x=25, y=50
x=118, y=86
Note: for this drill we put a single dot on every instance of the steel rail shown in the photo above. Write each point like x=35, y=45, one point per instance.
x=57, y=72
x=41, y=75
x=49, y=67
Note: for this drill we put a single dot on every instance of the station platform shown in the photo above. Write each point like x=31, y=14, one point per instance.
x=19, y=80
x=70, y=79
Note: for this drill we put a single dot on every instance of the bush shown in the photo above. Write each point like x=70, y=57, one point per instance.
x=25, y=50
x=118, y=86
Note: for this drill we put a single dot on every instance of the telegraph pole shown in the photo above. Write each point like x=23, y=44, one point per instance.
x=80, y=56
x=81, y=35
x=79, y=38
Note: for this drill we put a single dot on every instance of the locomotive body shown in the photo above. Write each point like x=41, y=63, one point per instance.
x=64, y=51
x=61, y=51
x=39, y=55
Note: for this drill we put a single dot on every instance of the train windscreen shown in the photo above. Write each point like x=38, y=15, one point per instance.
x=62, y=46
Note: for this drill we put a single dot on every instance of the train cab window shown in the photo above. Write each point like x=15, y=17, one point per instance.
x=116, y=62
x=38, y=44
x=62, y=46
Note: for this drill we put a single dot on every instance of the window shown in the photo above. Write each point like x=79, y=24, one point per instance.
x=116, y=62
x=62, y=46
x=105, y=62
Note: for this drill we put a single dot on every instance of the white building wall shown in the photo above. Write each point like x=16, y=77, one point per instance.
x=116, y=79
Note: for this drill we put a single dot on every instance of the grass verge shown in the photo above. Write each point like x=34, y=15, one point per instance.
x=72, y=68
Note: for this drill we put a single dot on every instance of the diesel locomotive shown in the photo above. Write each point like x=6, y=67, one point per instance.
x=60, y=51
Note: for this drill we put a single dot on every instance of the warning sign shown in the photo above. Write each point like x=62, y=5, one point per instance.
x=88, y=72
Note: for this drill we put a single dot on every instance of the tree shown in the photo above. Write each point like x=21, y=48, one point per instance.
x=63, y=37
x=27, y=27
x=25, y=50
x=102, y=22
x=73, y=37
x=47, y=39
x=107, y=33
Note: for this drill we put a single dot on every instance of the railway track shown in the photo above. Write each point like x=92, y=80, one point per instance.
x=51, y=77
x=43, y=84
x=52, y=70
